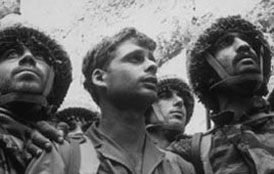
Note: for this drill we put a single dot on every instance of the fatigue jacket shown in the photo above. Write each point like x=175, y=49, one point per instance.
x=243, y=148
x=113, y=159
x=13, y=160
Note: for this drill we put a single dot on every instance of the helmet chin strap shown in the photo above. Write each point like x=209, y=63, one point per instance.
x=163, y=121
x=23, y=97
x=49, y=83
x=234, y=82
x=158, y=114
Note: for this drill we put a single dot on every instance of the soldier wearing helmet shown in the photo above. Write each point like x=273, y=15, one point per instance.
x=35, y=74
x=229, y=68
x=172, y=111
x=78, y=120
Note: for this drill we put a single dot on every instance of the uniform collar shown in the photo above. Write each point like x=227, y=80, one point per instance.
x=226, y=118
x=257, y=108
x=110, y=149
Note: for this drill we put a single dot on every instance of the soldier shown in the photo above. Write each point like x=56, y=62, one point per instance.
x=74, y=122
x=169, y=115
x=35, y=74
x=120, y=75
x=78, y=119
x=229, y=68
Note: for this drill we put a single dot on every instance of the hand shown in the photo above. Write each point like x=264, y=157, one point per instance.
x=63, y=128
x=43, y=132
x=36, y=138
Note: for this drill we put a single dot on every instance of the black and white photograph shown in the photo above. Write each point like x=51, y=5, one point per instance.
x=136, y=87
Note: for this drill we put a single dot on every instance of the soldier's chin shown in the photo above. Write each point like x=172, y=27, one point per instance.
x=150, y=95
x=175, y=123
x=249, y=69
x=244, y=83
x=249, y=75
x=252, y=77
x=30, y=88
x=249, y=86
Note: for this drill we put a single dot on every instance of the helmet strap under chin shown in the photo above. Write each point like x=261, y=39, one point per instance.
x=23, y=97
x=39, y=99
x=49, y=83
x=30, y=98
x=233, y=82
x=158, y=113
x=40, y=108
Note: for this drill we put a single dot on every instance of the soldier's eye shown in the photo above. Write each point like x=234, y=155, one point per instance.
x=40, y=53
x=224, y=42
x=248, y=40
x=137, y=58
x=39, y=57
x=165, y=94
x=11, y=54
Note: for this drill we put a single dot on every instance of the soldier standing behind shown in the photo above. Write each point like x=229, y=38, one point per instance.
x=172, y=111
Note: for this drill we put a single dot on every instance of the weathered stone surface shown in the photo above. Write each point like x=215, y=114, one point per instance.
x=9, y=6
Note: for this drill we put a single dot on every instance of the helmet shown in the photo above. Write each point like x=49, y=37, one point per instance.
x=175, y=83
x=57, y=57
x=72, y=115
x=203, y=76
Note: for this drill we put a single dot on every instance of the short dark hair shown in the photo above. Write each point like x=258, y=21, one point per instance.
x=102, y=54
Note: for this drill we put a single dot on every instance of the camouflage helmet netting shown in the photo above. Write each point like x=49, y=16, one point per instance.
x=202, y=75
x=59, y=58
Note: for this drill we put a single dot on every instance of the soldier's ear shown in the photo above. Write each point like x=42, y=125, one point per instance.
x=98, y=77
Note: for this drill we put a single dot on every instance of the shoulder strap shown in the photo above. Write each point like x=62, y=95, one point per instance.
x=195, y=152
x=72, y=157
x=75, y=157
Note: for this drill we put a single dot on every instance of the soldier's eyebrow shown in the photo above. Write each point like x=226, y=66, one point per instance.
x=135, y=52
x=140, y=52
x=5, y=46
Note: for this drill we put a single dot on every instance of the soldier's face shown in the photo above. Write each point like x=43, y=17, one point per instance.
x=132, y=72
x=235, y=54
x=172, y=107
x=23, y=70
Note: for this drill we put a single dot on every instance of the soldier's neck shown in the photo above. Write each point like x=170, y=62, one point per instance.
x=234, y=102
x=159, y=139
x=125, y=126
x=24, y=111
